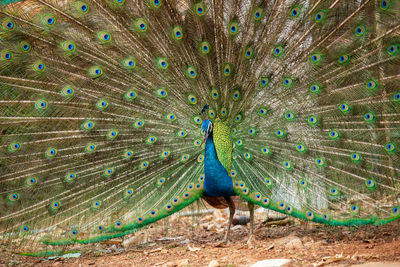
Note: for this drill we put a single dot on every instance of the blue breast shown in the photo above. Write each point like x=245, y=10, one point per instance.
x=217, y=182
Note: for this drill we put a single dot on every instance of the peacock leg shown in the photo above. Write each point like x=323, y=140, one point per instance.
x=251, y=209
x=250, y=241
x=231, y=205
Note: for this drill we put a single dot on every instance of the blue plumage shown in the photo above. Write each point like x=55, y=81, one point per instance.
x=217, y=182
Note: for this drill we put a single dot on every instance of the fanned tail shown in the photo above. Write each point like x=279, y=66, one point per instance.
x=320, y=141
x=100, y=102
x=99, y=138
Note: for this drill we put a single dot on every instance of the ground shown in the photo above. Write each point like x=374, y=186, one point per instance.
x=190, y=241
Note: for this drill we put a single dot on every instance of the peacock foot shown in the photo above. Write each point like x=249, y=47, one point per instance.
x=251, y=241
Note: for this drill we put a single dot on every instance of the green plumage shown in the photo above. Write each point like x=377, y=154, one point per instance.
x=100, y=132
x=222, y=135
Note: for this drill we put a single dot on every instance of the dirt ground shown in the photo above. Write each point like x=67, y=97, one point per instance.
x=190, y=241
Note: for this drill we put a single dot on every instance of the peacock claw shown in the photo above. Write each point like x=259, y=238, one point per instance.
x=250, y=242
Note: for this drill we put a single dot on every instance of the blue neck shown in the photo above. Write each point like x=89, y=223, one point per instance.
x=211, y=152
x=217, y=182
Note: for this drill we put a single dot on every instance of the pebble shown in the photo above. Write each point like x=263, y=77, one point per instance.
x=272, y=263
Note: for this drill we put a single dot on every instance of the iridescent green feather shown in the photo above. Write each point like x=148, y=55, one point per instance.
x=222, y=136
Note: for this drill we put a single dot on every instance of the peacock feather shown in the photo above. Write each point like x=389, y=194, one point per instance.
x=222, y=138
x=115, y=114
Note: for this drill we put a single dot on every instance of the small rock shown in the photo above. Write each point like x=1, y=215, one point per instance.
x=186, y=241
x=192, y=248
x=273, y=263
x=119, y=250
x=71, y=255
x=289, y=242
x=240, y=220
x=237, y=227
x=114, y=248
x=213, y=263
x=106, y=251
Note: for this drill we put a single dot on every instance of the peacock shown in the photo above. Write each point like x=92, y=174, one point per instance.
x=115, y=114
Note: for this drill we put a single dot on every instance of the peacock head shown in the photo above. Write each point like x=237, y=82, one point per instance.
x=206, y=128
